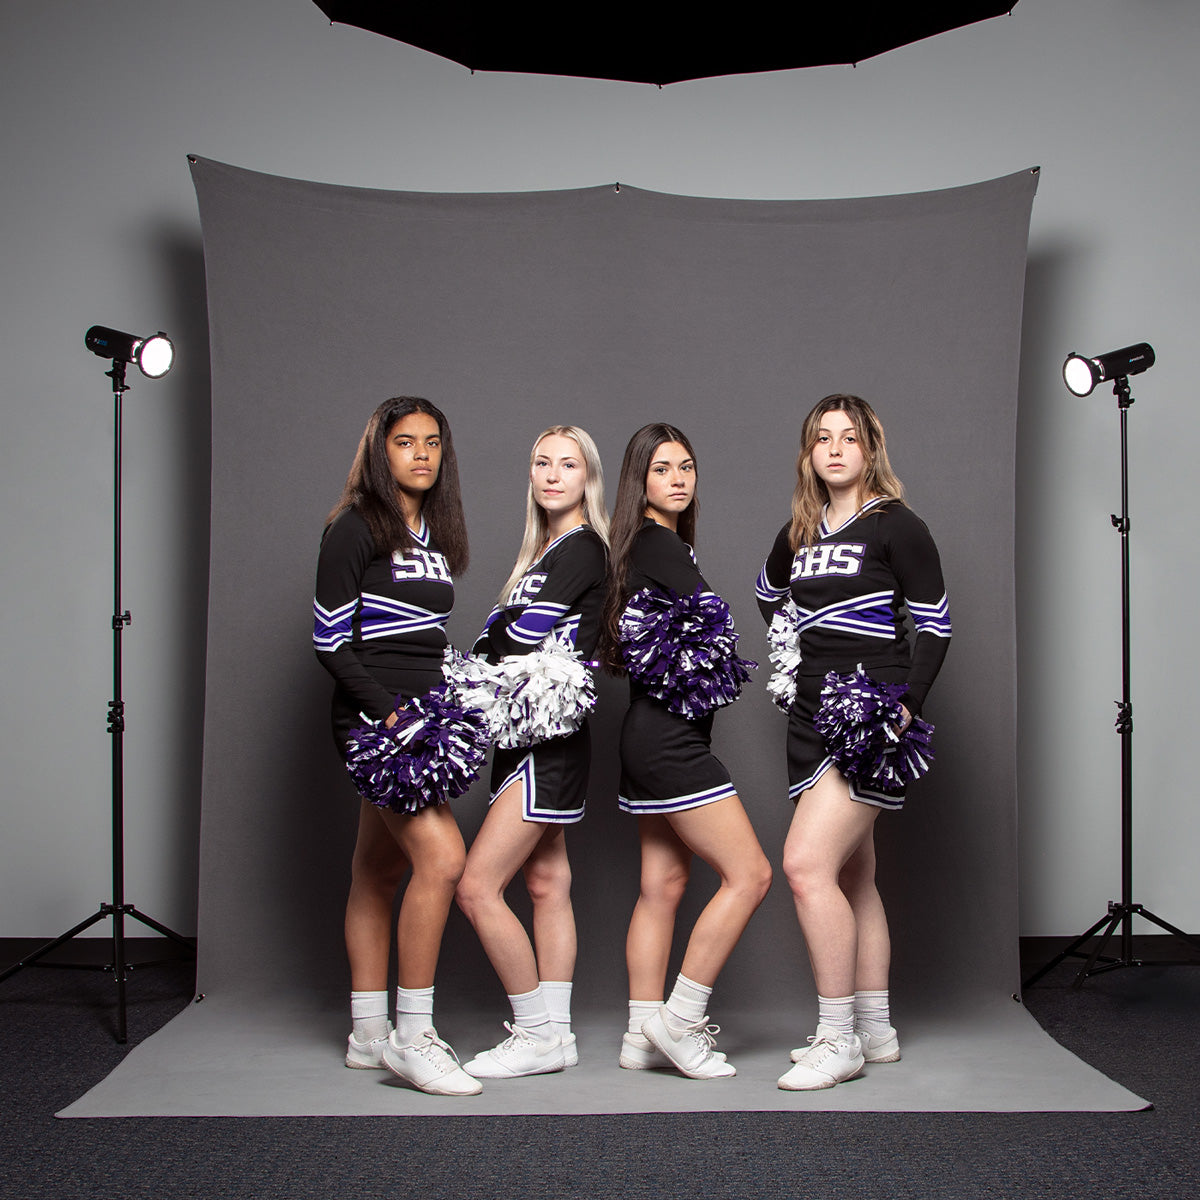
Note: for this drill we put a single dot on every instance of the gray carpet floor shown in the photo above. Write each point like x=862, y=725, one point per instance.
x=1139, y=1026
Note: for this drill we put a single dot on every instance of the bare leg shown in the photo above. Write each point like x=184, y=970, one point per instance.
x=387, y=843
x=830, y=833
x=721, y=834
x=666, y=864
x=505, y=841
x=378, y=867
x=857, y=882
x=431, y=841
x=548, y=880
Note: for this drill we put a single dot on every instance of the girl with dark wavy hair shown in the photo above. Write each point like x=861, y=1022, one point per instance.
x=390, y=550
x=674, y=637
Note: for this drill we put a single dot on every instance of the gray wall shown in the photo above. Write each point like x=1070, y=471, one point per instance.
x=99, y=225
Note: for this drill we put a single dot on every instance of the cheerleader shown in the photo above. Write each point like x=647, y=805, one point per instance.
x=552, y=598
x=390, y=549
x=680, y=792
x=852, y=559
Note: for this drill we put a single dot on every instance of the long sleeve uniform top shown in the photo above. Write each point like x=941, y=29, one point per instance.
x=561, y=592
x=660, y=559
x=852, y=588
x=374, y=613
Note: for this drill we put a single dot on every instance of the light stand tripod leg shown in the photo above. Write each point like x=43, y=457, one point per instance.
x=1089, y=967
x=31, y=960
x=1073, y=948
x=1191, y=940
x=159, y=927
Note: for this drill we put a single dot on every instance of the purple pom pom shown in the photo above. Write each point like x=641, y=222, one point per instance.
x=430, y=755
x=858, y=718
x=683, y=650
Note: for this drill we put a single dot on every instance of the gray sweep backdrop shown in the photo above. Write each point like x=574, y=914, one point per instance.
x=606, y=307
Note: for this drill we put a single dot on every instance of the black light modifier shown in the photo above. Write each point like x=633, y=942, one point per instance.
x=1082, y=375
x=154, y=355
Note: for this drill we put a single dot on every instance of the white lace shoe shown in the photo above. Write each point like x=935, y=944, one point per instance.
x=570, y=1050
x=639, y=1053
x=368, y=1055
x=830, y=1058
x=876, y=1048
x=879, y=1048
x=521, y=1053
x=690, y=1051
x=429, y=1065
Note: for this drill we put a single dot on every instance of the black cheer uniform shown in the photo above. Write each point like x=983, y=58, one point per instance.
x=378, y=621
x=852, y=588
x=667, y=763
x=560, y=595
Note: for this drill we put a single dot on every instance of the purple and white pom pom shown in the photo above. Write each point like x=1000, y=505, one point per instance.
x=683, y=650
x=430, y=755
x=525, y=699
x=858, y=719
x=548, y=695
x=471, y=678
x=783, y=636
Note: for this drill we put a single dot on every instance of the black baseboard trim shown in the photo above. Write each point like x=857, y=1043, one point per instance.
x=1150, y=948
x=95, y=951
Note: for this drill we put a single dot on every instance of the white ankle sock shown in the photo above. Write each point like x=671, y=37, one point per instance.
x=872, y=1012
x=837, y=1012
x=687, y=1003
x=414, y=1012
x=640, y=1011
x=368, y=1011
x=530, y=1013
x=558, y=1003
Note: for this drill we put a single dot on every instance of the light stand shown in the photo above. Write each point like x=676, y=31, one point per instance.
x=154, y=356
x=1081, y=376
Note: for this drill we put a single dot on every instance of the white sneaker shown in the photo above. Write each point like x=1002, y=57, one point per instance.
x=521, y=1053
x=570, y=1050
x=876, y=1047
x=429, y=1065
x=368, y=1055
x=830, y=1058
x=639, y=1053
x=690, y=1051
x=879, y=1047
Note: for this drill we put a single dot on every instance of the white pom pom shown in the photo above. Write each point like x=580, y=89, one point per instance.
x=783, y=636
x=526, y=698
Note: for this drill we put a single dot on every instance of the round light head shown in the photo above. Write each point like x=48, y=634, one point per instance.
x=156, y=355
x=1080, y=374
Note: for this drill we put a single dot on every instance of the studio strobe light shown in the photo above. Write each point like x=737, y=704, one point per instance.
x=1081, y=376
x=154, y=356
